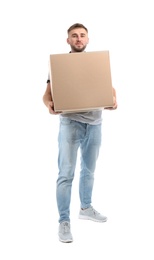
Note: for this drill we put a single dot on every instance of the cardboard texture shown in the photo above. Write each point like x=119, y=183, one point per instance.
x=81, y=81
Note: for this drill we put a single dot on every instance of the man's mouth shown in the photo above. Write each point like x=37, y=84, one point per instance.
x=79, y=44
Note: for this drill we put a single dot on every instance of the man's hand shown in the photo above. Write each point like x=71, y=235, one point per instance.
x=51, y=108
x=114, y=105
x=47, y=99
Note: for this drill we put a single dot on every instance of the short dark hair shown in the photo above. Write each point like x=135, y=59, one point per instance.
x=77, y=25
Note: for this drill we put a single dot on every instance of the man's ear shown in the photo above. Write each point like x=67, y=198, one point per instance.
x=67, y=40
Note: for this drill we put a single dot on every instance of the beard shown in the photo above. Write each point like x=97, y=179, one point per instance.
x=75, y=49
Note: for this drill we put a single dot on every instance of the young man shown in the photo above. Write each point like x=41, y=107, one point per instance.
x=76, y=130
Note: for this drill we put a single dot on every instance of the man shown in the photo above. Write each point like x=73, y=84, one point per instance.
x=76, y=130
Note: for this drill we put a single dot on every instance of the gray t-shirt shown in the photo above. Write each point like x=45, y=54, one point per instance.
x=91, y=117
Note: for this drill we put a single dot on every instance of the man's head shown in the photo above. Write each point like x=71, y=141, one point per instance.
x=77, y=37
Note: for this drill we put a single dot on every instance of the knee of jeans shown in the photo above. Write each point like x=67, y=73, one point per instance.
x=65, y=179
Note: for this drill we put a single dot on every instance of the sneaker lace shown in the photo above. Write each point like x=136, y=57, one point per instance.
x=95, y=211
x=66, y=227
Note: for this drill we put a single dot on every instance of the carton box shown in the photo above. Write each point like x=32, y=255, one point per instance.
x=81, y=81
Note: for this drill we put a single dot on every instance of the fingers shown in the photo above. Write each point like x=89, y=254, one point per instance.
x=51, y=108
x=112, y=108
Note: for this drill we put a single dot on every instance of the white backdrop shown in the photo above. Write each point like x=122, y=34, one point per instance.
x=30, y=31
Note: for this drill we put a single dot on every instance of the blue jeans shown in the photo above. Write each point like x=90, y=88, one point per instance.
x=72, y=135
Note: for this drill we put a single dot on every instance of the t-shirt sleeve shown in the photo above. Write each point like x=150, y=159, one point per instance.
x=48, y=80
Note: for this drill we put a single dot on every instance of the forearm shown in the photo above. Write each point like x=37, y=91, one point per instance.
x=47, y=97
x=115, y=99
x=114, y=92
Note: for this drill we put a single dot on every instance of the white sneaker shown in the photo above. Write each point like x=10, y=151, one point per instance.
x=64, y=232
x=91, y=214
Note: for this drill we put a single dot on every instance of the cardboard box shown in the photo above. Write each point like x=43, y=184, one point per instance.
x=81, y=81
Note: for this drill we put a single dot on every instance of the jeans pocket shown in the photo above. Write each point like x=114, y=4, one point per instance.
x=65, y=121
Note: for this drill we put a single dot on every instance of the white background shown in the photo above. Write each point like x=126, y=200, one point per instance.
x=31, y=30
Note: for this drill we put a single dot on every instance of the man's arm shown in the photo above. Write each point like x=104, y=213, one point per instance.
x=115, y=105
x=115, y=98
x=47, y=99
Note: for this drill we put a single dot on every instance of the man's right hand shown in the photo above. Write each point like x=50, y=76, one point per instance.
x=51, y=108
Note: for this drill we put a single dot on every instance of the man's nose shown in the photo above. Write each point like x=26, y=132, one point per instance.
x=79, y=38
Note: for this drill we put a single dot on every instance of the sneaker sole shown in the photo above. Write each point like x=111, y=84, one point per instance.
x=93, y=219
x=66, y=241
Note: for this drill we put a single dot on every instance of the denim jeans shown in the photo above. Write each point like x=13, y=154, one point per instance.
x=72, y=135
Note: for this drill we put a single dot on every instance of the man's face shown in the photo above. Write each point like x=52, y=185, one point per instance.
x=78, y=39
